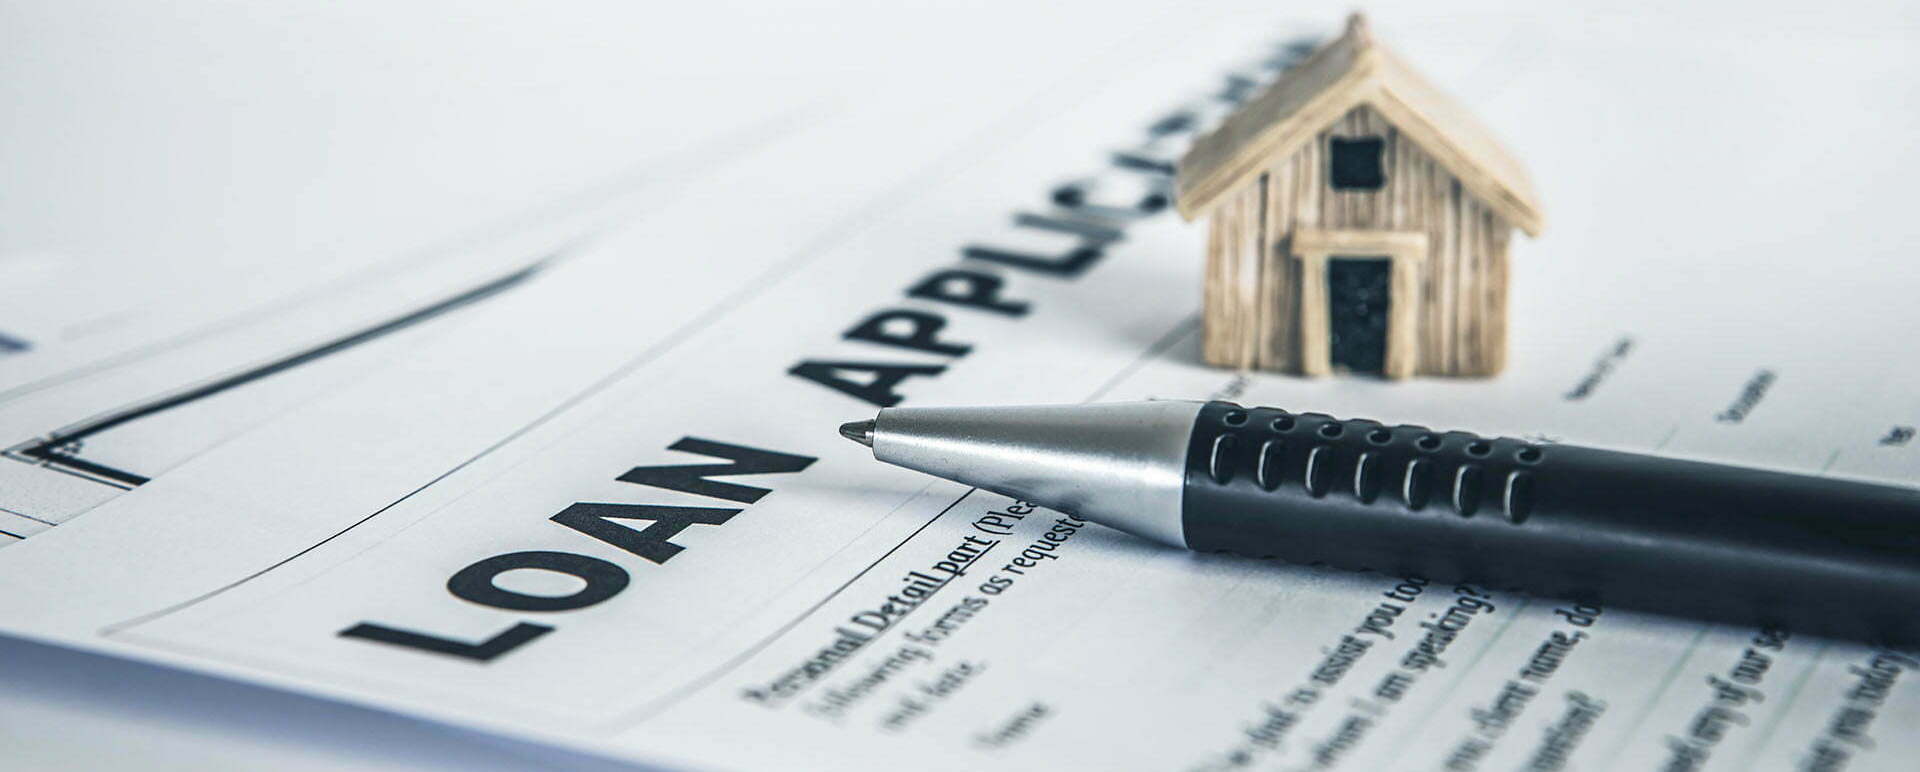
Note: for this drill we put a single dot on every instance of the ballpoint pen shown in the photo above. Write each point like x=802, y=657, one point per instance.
x=1712, y=541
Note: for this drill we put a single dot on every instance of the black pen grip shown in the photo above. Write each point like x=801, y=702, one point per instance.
x=1711, y=541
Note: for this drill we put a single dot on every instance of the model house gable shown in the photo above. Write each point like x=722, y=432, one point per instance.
x=1351, y=72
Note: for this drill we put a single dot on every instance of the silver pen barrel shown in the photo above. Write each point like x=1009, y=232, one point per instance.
x=1122, y=465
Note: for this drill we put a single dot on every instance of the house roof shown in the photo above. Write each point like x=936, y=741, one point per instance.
x=1351, y=71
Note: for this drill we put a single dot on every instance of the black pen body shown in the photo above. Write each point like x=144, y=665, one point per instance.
x=1709, y=541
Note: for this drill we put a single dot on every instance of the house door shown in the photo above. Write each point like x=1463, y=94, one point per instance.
x=1358, y=297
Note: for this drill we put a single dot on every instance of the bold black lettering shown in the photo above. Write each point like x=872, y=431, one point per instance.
x=1144, y=161
x=920, y=334
x=485, y=651
x=972, y=289
x=475, y=582
x=1177, y=122
x=1108, y=198
x=1093, y=239
x=692, y=478
x=880, y=390
x=651, y=542
x=1093, y=231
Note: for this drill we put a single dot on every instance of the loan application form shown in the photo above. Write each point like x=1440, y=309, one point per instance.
x=618, y=519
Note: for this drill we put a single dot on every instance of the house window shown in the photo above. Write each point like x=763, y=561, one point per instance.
x=1355, y=163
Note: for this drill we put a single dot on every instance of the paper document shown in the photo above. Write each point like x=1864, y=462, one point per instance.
x=608, y=509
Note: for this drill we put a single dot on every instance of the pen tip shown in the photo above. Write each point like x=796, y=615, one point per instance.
x=858, y=431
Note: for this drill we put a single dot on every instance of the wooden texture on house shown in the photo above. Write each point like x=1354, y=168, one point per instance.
x=1441, y=216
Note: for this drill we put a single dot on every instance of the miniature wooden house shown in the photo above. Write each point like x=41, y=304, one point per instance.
x=1359, y=222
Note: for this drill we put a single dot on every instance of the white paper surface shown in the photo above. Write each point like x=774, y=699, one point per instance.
x=1641, y=320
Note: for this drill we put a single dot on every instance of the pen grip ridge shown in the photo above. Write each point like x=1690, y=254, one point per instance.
x=1591, y=525
x=1318, y=455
